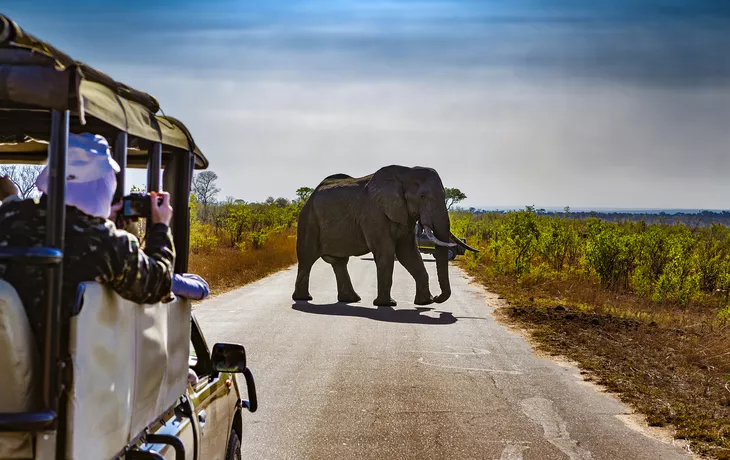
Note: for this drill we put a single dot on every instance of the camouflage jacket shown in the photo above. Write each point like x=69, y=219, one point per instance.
x=94, y=250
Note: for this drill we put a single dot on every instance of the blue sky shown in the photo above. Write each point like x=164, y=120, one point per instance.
x=589, y=104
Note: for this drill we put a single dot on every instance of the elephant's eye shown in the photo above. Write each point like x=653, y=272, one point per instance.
x=423, y=195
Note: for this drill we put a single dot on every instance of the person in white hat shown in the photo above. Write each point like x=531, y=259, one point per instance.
x=94, y=249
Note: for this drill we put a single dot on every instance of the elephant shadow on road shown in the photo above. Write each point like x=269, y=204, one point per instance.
x=386, y=314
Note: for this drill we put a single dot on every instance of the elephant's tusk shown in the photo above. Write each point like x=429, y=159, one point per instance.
x=436, y=241
x=461, y=243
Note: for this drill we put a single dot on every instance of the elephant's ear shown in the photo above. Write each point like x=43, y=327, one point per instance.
x=386, y=190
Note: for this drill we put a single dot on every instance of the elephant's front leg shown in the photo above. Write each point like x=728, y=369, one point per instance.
x=381, y=243
x=409, y=256
x=384, y=261
x=384, y=264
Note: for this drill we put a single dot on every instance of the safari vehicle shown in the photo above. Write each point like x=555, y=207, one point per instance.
x=427, y=245
x=113, y=378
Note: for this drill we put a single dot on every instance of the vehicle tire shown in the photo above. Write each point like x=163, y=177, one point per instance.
x=233, y=452
x=452, y=254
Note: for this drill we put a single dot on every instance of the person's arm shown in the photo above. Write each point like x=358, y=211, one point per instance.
x=190, y=286
x=137, y=275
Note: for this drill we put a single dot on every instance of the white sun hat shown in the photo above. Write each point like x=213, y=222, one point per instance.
x=90, y=175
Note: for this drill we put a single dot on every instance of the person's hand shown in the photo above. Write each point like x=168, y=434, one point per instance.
x=161, y=212
x=114, y=213
x=120, y=220
x=7, y=188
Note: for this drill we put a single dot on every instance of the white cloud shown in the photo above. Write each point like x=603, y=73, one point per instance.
x=503, y=141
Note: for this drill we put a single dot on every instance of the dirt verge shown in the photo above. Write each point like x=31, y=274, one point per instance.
x=674, y=374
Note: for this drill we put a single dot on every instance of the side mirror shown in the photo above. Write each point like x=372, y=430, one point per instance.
x=228, y=357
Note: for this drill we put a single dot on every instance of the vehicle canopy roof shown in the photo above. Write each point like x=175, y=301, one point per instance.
x=36, y=78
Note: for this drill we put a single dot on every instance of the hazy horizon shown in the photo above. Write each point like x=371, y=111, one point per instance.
x=593, y=209
x=618, y=104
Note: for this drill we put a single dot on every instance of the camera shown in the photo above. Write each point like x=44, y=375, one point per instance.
x=138, y=205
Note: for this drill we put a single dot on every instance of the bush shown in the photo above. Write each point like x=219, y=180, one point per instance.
x=524, y=235
x=202, y=238
x=664, y=263
x=235, y=242
x=611, y=252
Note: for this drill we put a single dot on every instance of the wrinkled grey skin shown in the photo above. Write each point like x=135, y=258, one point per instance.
x=348, y=216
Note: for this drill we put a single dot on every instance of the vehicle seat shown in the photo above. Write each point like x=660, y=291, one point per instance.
x=20, y=371
x=130, y=365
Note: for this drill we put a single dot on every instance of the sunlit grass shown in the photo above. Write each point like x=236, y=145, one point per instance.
x=226, y=268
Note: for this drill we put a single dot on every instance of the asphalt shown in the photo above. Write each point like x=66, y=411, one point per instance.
x=355, y=381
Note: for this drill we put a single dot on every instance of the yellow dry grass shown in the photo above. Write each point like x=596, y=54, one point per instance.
x=228, y=268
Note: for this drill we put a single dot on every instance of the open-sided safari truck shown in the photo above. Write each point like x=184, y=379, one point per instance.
x=112, y=381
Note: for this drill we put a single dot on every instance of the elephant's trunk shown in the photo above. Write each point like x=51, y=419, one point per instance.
x=441, y=233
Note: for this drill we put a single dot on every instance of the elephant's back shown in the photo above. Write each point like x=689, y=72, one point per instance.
x=342, y=181
x=338, y=197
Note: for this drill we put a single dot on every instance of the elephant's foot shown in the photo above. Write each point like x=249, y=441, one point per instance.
x=441, y=298
x=349, y=297
x=425, y=299
x=384, y=302
x=301, y=296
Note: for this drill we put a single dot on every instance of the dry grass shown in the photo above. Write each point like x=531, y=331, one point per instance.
x=671, y=363
x=228, y=268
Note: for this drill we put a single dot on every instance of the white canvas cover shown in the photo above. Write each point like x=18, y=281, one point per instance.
x=130, y=364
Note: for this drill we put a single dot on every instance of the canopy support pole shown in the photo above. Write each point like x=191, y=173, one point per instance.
x=120, y=156
x=55, y=226
x=154, y=166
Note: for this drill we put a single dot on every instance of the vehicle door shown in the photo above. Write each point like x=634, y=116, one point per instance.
x=211, y=400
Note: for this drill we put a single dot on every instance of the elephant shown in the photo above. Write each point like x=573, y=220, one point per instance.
x=346, y=216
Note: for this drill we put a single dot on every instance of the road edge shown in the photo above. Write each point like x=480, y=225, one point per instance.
x=635, y=420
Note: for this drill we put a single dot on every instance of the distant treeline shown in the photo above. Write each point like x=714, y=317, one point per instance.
x=693, y=219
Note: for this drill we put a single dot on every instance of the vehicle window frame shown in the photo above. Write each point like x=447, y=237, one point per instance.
x=203, y=366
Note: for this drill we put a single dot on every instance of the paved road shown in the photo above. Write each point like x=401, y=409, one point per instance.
x=359, y=382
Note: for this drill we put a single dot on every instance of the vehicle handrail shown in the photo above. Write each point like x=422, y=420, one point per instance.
x=32, y=256
x=252, y=404
x=26, y=421
x=142, y=454
x=170, y=440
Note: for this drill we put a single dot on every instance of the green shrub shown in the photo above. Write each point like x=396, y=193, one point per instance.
x=202, y=238
x=611, y=252
x=523, y=234
x=665, y=263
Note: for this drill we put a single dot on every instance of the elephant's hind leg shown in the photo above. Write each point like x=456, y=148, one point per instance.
x=301, y=287
x=307, y=252
x=345, y=292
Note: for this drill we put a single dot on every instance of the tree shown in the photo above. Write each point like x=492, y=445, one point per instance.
x=303, y=193
x=281, y=202
x=453, y=196
x=23, y=177
x=205, y=189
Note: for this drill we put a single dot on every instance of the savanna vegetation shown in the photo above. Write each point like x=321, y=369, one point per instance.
x=643, y=308
x=640, y=302
x=234, y=242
